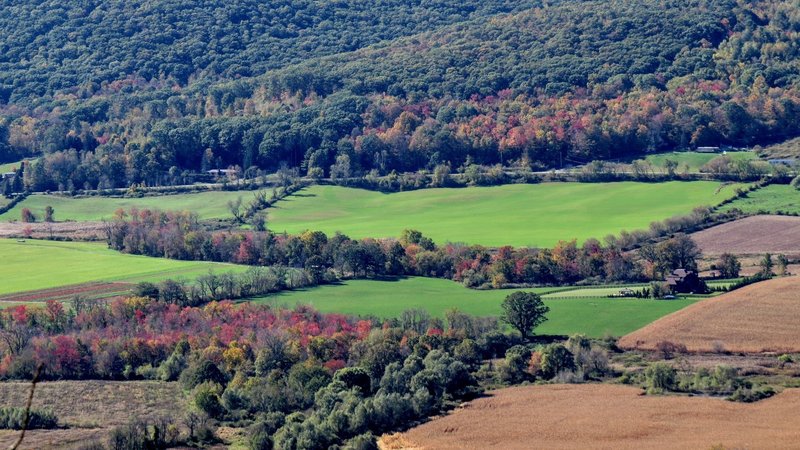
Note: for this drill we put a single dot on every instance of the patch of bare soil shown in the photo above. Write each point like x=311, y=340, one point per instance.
x=90, y=290
x=602, y=416
x=756, y=234
x=43, y=230
x=762, y=317
x=88, y=410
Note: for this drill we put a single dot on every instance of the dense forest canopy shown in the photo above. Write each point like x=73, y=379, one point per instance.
x=126, y=93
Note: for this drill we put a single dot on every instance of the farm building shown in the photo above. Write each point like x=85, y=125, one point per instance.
x=685, y=281
x=708, y=149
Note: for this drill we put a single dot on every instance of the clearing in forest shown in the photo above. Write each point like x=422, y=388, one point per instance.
x=537, y=215
x=762, y=317
x=606, y=417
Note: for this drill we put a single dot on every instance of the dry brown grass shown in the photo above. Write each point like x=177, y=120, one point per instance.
x=44, y=230
x=89, y=409
x=607, y=417
x=756, y=234
x=762, y=317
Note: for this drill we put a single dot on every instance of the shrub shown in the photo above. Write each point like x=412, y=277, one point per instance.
x=747, y=395
x=556, y=358
x=206, y=399
x=13, y=418
x=668, y=349
x=660, y=377
x=140, y=434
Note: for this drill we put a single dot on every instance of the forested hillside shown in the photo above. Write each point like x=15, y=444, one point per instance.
x=133, y=92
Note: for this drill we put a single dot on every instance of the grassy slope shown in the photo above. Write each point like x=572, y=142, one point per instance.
x=33, y=265
x=520, y=215
x=771, y=199
x=592, y=316
x=209, y=205
x=694, y=160
x=8, y=167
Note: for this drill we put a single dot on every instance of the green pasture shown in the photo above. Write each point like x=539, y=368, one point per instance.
x=521, y=215
x=208, y=205
x=33, y=265
x=771, y=199
x=8, y=167
x=694, y=160
x=593, y=316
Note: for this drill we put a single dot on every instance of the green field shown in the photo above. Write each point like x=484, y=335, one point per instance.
x=208, y=205
x=770, y=199
x=8, y=167
x=592, y=316
x=33, y=265
x=519, y=215
x=694, y=160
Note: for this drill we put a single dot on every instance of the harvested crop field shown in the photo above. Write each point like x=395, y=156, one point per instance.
x=43, y=230
x=607, y=417
x=758, y=318
x=87, y=410
x=756, y=234
x=97, y=290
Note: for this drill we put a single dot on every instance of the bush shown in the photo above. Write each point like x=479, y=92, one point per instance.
x=13, y=418
x=747, y=395
x=660, y=377
x=206, y=399
x=140, y=434
x=556, y=358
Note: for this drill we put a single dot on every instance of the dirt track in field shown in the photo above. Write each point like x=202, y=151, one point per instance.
x=756, y=234
x=606, y=417
x=758, y=318
x=89, y=290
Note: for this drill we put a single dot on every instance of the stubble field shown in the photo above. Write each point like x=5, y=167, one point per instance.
x=762, y=317
x=606, y=417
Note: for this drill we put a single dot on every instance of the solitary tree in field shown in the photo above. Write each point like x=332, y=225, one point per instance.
x=524, y=311
x=766, y=265
x=48, y=214
x=27, y=216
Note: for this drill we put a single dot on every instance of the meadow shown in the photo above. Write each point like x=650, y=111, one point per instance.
x=208, y=205
x=593, y=316
x=8, y=167
x=775, y=198
x=520, y=215
x=693, y=161
x=33, y=265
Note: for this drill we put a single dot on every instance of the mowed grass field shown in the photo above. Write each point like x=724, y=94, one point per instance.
x=33, y=265
x=521, y=215
x=208, y=205
x=8, y=167
x=694, y=160
x=593, y=316
x=775, y=198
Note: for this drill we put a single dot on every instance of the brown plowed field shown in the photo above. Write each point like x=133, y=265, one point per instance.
x=756, y=234
x=757, y=318
x=90, y=290
x=596, y=416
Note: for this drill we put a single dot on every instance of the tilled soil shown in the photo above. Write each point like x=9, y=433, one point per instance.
x=599, y=416
x=762, y=317
x=751, y=235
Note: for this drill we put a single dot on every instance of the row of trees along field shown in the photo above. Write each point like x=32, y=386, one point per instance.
x=321, y=258
x=544, y=86
x=297, y=379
